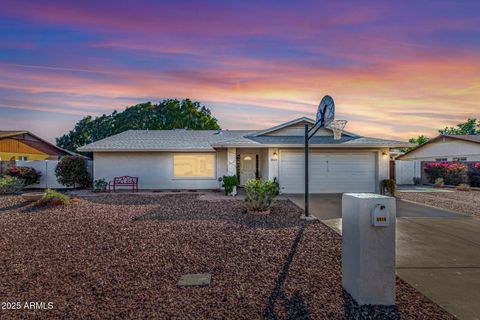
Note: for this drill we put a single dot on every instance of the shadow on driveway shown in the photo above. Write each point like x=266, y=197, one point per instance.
x=329, y=206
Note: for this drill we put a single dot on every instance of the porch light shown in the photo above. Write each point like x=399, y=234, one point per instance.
x=275, y=156
x=384, y=153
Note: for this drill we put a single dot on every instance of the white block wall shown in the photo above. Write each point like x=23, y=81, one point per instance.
x=154, y=169
x=47, y=169
x=406, y=170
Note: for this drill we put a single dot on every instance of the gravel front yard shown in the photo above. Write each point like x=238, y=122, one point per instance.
x=120, y=257
x=460, y=201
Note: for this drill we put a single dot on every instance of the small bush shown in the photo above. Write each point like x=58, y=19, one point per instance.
x=388, y=186
x=100, y=185
x=260, y=194
x=72, y=171
x=463, y=187
x=53, y=198
x=417, y=181
x=439, y=183
x=11, y=185
x=228, y=183
x=27, y=174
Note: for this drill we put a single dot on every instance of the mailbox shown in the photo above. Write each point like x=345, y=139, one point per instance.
x=368, y=248
x=380, y=216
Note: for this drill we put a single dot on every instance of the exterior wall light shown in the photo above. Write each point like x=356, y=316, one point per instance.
x=275, y=156
x=384, y=153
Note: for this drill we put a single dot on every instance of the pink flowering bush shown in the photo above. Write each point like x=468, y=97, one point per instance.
x=452, y=173
x=474, y=174
x=27, y=174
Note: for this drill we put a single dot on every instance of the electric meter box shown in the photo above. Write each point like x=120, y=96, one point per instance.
x=380, y=216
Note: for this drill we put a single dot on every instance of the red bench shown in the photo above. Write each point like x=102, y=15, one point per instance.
x=123, y=181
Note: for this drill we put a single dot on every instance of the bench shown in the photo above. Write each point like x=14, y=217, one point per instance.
x=123, y=181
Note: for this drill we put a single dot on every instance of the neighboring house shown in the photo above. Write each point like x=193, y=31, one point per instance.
x=195, y=159
x=446, y=148
x=23, y=145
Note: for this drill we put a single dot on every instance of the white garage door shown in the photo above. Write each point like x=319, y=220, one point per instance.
x=329, y=172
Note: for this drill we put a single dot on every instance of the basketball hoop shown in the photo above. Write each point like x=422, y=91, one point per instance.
x=337, y=128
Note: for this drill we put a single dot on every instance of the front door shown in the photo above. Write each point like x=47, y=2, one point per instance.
x=248, y=167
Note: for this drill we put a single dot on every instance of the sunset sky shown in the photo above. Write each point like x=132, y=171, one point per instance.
x=396, y=69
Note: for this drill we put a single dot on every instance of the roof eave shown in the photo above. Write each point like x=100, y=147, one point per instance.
x=282, y=125
x=301, y=145
x=147, y=150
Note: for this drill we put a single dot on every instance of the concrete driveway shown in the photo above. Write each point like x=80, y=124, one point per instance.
x=438, y=251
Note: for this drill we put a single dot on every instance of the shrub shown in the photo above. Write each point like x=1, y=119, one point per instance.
x=11, y=185
x=463, y=187
x=27, y=174
x=438, y=183
x=388, y=186
x=53, y=198
x=474, y=174
x=260, y=194
x=451, y=173
x=100, y=185
x=72, y=171
x=229, y=182
x=417, y=181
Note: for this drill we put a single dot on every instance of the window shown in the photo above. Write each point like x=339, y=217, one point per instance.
x=441, y=159
x=23, y=158
x=460, y=159
x=194, y=165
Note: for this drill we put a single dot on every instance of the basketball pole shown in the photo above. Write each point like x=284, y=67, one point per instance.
x=325, y=109
x=306, y=172
x=309, y=133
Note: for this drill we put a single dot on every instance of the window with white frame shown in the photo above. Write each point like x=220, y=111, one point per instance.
x=441, y=159
x=23, y=158
x=460, y=159
x=194, y=165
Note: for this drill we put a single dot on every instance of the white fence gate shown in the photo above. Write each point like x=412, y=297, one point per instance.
x=406, y=170
x=47, y=169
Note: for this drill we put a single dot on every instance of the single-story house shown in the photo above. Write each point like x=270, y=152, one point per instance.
x=195, y=159
x=446, y=148
x=25, y=146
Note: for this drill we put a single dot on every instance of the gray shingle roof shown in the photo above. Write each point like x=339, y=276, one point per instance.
x=159, y=140
x=207, y=140
x=347, y=141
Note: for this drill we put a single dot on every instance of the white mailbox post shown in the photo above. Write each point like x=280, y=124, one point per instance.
x=368, y=247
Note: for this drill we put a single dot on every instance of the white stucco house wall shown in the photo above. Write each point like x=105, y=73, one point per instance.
x=446, y=148
x=195, y=159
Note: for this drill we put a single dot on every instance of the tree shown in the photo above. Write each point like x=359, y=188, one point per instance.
x=72, y=171
x=421, y=139
x=167, y=114
x=469, y=127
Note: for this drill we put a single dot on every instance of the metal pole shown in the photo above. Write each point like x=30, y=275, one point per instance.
x=306, y=171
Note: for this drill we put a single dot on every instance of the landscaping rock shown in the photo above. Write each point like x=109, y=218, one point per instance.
x=460, y=201
x=195, y=280
x=120, y=257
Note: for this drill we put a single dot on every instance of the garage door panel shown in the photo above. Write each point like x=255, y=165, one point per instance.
x=329, y=172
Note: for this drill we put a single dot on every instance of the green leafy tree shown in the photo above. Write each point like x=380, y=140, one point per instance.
x=167, y=114
x=421, y=139
x=471, y=126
